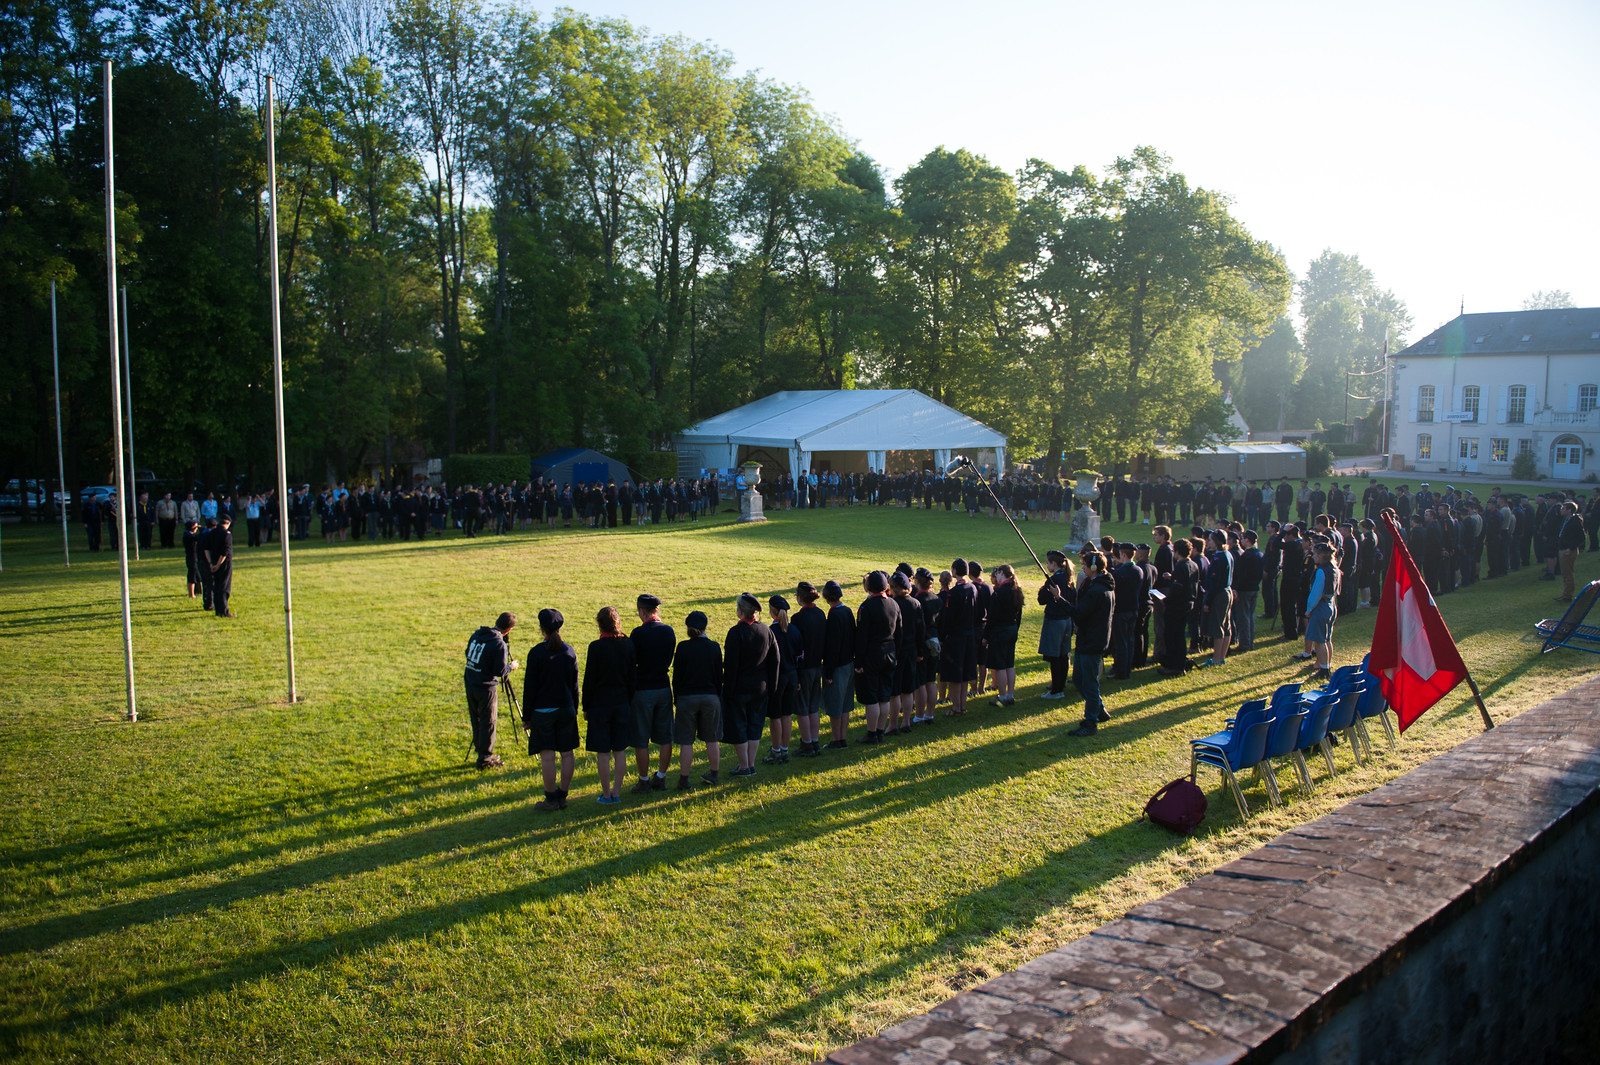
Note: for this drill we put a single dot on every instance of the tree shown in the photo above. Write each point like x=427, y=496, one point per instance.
x=1266, y=376
x=1188, y=286
x=1347, y=320
x=1554, y=299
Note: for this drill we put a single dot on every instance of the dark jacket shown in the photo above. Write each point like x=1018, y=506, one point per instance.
x=1005, y=607
x=749, y=661
x=791, y=648
x=877, y=632
x=1252, y=568
x=959, y=618
x=486, y=656
x=913, y=628
x=812, y=624
x=551, y=682
x=1092, y=615
x=1057, y=609
x=610, y=673
x=697, y=668
x=839, y=639
x=653, y=644
x=1129, y=580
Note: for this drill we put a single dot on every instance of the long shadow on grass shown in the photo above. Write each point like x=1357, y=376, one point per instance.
x=981, y=765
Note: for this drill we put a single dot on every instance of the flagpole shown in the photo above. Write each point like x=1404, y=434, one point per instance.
x=61, y=455
x=1488, y=722
x=127, y=368
x=277, y=382
x=116, y=400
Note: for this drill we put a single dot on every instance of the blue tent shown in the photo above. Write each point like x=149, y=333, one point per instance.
x=574, y=465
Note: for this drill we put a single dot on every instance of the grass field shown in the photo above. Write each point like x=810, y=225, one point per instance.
x=233, y=877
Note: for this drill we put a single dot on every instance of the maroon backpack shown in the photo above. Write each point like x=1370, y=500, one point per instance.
x=1180, y=806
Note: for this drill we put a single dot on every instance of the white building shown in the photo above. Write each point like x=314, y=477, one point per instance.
x=1483, y=388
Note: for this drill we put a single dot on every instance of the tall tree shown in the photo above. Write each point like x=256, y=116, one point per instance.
x=1346, y=321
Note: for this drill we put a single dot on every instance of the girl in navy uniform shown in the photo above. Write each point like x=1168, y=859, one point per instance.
x=608, y=684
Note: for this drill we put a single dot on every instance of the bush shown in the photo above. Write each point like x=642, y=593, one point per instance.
x=1525, y=467
x=1319, y=459
x=485, y=469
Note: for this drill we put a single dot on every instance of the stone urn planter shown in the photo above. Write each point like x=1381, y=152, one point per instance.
x=750, y=499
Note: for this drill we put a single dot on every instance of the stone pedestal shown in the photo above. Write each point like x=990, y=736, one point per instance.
x=1085, y=528
x=750, y=507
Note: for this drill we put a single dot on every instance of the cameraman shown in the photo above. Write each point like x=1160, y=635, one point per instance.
x=487, y=662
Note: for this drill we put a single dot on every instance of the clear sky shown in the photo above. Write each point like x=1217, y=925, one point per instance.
x=1454, y=147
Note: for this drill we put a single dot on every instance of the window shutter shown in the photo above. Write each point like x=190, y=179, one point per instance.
x=1414, y=403
x=1533, y=404
x=1461, y=398
x=1501, y=415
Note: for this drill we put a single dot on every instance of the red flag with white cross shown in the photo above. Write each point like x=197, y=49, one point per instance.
x=1413, y=655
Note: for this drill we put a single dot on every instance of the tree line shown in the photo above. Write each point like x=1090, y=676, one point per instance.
x=503, y=233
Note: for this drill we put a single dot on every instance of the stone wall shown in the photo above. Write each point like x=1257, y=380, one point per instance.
x=1452, y=915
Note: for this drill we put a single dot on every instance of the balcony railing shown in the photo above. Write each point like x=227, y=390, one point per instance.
x=1567, y=419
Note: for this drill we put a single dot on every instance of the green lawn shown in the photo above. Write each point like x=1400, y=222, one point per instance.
x=234, y=877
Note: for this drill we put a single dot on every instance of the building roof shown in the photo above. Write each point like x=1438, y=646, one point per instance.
x=900, y=419
x=1239, y=448
x=1563, y=331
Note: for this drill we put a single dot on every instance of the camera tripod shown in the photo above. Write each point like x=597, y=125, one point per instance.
x=508, y=697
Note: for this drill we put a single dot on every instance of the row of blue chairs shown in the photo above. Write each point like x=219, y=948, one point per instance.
x=1291, y=724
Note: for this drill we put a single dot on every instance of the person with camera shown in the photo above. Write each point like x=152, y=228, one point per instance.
x=488, y=660
x=550, y=708
x=1057, y=595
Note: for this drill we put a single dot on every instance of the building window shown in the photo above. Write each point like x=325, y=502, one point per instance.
x=1517, y=404
x=1425, y=403
x=1588, y=398
x=1424, y=445
x=1524, y=446
x=1471, y=396
x=1499, y=449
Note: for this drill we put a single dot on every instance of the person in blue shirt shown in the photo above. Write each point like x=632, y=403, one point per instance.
x=1320, y=609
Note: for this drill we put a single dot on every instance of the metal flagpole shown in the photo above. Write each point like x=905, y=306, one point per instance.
x=1388, y=397
x=61, y=455
x=116, y=399
x=277, y=383
x=127, y=368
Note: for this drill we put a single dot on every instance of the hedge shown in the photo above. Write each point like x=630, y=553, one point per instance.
x=485, y=469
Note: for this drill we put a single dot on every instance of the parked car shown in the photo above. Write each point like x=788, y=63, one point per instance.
x=26, y=493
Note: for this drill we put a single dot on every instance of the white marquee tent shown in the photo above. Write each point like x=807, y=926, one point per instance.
x=841, y=425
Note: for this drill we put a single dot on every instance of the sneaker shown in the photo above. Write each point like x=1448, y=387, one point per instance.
x=1102, y=717
x=1322, y=675
x=838, y=745
x=642, y=786
x=1053, y=695
x=683, y=783
x=1083, y=730
x=747, y=771
x=709, y=777
x=658, y=783
x=1204, y=662
x=771, y=757
x=1302, y=656
x=1563, y=598
x=609, y=800
x=783, y=756
x=548, y=804
x=491, y=762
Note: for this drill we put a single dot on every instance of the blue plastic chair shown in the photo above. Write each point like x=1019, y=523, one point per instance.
x=1373, y=704
x=1246, y=752
x=1249, y=711
x=1319, y=708
x=1344, y=722
x=1283, y=740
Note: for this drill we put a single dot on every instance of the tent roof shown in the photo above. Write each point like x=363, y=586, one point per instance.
x=845, y=420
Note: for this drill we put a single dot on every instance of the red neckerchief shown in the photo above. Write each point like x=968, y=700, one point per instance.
x=610, y=635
